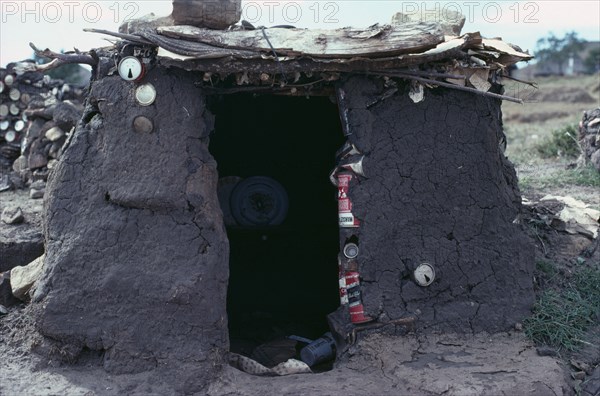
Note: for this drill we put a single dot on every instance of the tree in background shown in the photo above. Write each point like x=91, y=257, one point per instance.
x=558, y=51
x=592, y=61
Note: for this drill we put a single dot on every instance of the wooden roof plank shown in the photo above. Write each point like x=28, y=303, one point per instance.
x=375, y=41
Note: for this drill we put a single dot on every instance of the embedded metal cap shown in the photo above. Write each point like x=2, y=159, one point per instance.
x=131, y=69
x=145, y=94
x=424, y=274
x=351, y=250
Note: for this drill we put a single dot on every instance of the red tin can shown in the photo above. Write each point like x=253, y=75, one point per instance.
x=342, y=283
x=355, y=305
x=346, y=218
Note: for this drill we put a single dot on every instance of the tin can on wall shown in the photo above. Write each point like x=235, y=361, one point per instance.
x=346, y=218
x=355, y=305
x=342, y=283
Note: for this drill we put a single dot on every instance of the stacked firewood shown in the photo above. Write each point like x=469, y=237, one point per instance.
x=37, y=114
x=589, y=137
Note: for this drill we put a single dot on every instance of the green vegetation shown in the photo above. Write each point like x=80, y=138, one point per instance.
x=561, y=318
x=548, y=268
x=585, y=177
x=561, y=143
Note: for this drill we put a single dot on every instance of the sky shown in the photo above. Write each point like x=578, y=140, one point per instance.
x=59, y=25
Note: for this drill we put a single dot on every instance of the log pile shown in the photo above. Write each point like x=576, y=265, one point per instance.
x=589, y=137
x=37, y=113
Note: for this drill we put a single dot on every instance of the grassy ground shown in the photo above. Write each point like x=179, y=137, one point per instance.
x=532, y=130
x=542, y=143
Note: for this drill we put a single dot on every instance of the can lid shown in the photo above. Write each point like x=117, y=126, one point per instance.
x=1, y=87
x=145, y=94
x=3, y=110
x=351, y=250
x=4, y=125
x=424, y=274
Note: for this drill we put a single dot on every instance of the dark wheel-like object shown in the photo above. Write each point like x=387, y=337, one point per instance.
x=259, y=201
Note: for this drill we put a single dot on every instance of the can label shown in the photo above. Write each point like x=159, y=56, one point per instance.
x=343, y=293
x=355, y=305
x=346, y=218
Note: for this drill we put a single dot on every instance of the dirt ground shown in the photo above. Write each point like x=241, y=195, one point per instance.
x=480, y=364
x=500, y=364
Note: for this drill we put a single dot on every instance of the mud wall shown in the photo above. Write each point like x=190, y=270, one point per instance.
x=439, y=190
x=136, y=253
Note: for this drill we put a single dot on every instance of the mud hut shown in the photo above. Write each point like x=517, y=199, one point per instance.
x=415, y=227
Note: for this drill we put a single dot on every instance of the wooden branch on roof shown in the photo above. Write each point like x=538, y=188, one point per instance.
x=462, y=88
x=373, y=42
x=59, y=59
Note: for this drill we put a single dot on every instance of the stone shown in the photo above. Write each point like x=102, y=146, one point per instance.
x=518, y=326
x=23, y=278
x=20, y=164
x=591, y=387
x=578, y=375
x=3, y=310
x=6, y=183
x=143, y=124
x=546, y=351
x=66, y=115
x=207, y=14
x=36, y=194
x=37, y=160
x=38, y=185
x=12, y=215
x=54, y=134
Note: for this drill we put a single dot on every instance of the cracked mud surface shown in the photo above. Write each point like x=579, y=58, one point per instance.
x=439, y=190
x=500, y=364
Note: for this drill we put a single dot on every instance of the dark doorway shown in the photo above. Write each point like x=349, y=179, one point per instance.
x=283, y=278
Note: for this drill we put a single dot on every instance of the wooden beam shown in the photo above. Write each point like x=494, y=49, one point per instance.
x=375, y=41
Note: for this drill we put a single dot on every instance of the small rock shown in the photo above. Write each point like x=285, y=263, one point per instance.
x=51, y=164
x=23, y=278
x=5, y=183
x=3, y=310
x=579, y=375
x=546, y=351
x=143, y=124
x=54, y=134
x=519, y=326
x=38, y=185
x=36, y=194
x=37, y=161
x=20, y=164
x=12, y=216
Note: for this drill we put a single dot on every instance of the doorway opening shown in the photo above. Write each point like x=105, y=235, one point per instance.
x=283, y=268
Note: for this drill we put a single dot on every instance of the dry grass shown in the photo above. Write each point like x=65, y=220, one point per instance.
x=533, y=128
